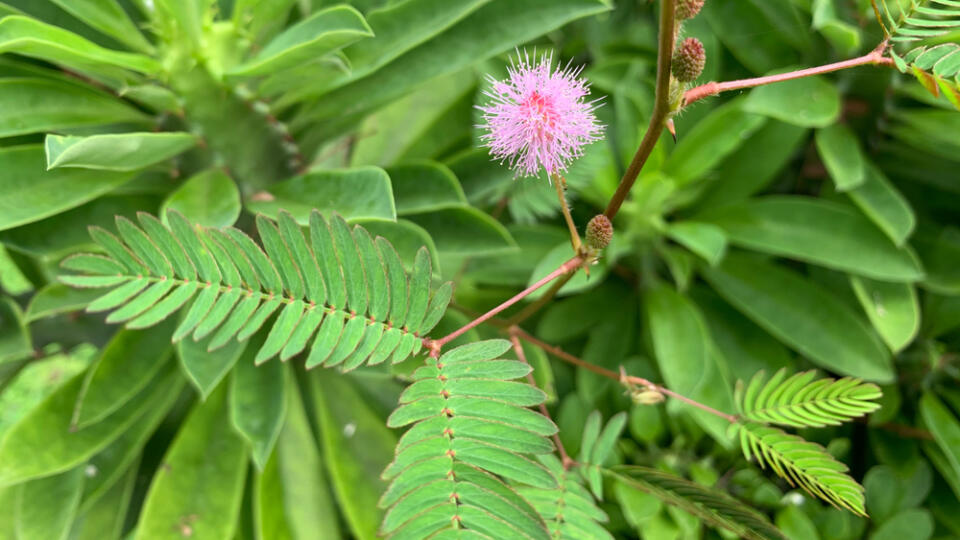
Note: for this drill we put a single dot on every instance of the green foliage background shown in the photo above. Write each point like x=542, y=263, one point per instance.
x=804, y=225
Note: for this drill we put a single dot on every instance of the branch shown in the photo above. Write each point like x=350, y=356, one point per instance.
x=640, y=381
x=564, y=458
x=875, y=57
x=570, y=266
x=661, y=108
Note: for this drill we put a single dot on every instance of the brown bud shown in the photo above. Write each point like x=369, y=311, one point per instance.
x=688, y=60
x=688, y=9
x=599, y=232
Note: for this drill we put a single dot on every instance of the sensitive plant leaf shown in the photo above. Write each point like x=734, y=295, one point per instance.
x=459, y=384
x=802, y=315
x=569, y=511
x=241, y=286
x=324, y=32
x=713, y=507
x=803, y=464
x=802, y=400
x=200, y=485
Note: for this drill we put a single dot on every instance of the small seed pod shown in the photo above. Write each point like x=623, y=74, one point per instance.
x=688, y=9
x=599, y=232
x=688, y=60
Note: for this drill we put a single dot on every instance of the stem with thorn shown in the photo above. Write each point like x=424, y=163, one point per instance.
x=559, y=182
x=567, y=357
x=570, y=266
x=518, y=349
x=874, y=57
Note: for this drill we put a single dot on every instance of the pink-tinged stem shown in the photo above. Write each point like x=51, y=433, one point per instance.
x=640, y=381
x=564, y=268
x=518, y=348
x=875, y=57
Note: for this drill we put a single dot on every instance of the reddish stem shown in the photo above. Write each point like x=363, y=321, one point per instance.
x=875, y=57
x=569, y=266
x=564, y=458
x=567, y=357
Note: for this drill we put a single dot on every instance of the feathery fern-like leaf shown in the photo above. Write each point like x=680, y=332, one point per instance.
x=713, y=507
x=802, y=463
x=342, y=289
x=471, y=425
x=569, y=511
x=802, y=401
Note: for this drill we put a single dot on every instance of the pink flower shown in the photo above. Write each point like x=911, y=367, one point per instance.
x=537, y=117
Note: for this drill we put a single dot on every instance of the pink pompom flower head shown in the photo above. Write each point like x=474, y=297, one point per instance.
x=538, y=117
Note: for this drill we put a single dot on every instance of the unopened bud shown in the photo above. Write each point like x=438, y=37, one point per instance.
x=688, y=9
x=688, y=60
x=646, y=397
x=599, y=232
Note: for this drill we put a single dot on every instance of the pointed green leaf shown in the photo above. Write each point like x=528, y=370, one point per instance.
x=115, y=152
x=48, y=506
x=208, y=199
x=206, y=369
x=258, y=403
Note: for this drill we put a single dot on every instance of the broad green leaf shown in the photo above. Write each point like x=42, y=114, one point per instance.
x=746, y=346
x=495, y=27
x=48, y=427
x=48, y=506
x=736, y=26
x=884, y=205
x=208, y=199
x=754, y=164
x=157, y=98
x=12, y=279
x=843, y=35
x=31, y=193
x=58, y=298
x=291, y=497
x=424, y=186
x=356, y=447
x=704, y=239
x=128, y=363
x=115, y=152
x=258, y=403
x=39, y=105
x=108, y=17
x=261, y=19
x=945, y=428
x=841, y=154
x=15, y=342
x=560, y=254
x=940, y=251
x=30, y=37
x=819, y=232
x=104, y=520
x=802, y=315
x=683, y=348
x=807, y=102
x=362, y=192
x=206, y=369
x=28, y=387
x=201, y=480
x=893, y=309
x=711, y=140
x=464, y=230
x=913, y=524
x=795, y=523
x=324, y=32
x=424, y=124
